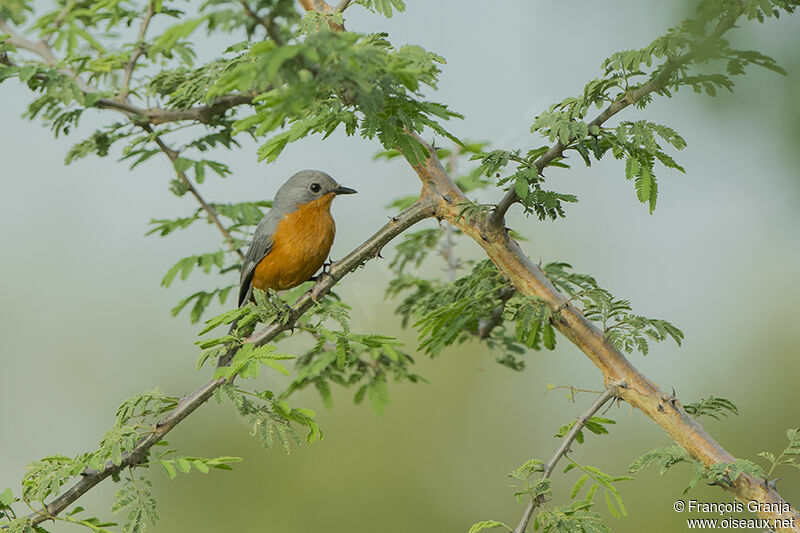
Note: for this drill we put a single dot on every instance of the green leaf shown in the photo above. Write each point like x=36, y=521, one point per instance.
x=487, y=524
x=169, y=468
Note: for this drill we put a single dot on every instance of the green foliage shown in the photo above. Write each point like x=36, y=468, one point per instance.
x=575, y=517
x=666, y=457
x=789, y=456
x=487, y=524
x=185, y=464
x=248, y=360
x=711, y=406
x=448, y=313
x=625, y=330
x=93, y=523
x=599, y=480
x=531, y=488
x=269, y=416
x=385, y=7
x=533, y=322
x=145, y=406
x=6, y=499
x=667, y=64
x=343, y=357
x=135, y=499
x=45, y=477
x=595, y=424
x=724, y=474
x=334, y=79
x=526, y=181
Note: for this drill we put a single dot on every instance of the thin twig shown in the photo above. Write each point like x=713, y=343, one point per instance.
x=155, y=115
x=184, y=179
x=140, y=49
x=486, y=326
x=268, y=22
x=367, y=250
x=344, y=4
x=629, y=98
x=58, y=21
x=44, y=51
x=566, y=442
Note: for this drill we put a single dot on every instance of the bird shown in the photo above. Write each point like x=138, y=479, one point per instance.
x=293, y=239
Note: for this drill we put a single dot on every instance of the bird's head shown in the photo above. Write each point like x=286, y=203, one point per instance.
x=307, y=186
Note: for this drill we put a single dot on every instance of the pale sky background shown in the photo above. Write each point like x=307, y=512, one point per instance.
x=85, y=323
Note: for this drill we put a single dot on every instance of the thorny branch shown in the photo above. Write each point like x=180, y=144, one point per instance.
x=137, y=53
x=369, y=249
x=211, y=213
x=562, y=450
x=529, y=279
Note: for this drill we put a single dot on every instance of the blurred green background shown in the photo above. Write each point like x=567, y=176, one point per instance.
x=85, y=323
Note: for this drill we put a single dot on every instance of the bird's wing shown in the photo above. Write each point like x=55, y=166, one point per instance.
x=260, y=247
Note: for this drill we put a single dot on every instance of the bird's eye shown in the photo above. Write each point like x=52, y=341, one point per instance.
x=315, y=187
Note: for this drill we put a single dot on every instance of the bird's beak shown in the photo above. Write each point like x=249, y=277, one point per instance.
x=344, y=190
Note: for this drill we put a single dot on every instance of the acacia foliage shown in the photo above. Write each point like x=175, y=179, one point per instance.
x=288, y=75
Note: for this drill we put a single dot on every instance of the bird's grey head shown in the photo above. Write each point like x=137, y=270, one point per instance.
x=306, y=186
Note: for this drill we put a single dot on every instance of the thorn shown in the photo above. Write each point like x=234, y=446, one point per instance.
x=660, y=408
x=485, y=238
x=446, y=198
x=771, y=483
x=622, y=385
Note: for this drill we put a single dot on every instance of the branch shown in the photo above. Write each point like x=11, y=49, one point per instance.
x=151, y=116
x=203, y=113
x=369, y=249
x=344, y=4
x=486, y=326
x=629, y=98
x=154, y=115
x=185, y=407
x=562, y=450
x=210, y=211
x=316, y=5
x=43, y=50
x=268, y=22
x=322, y=6
x=140, y=48
x=633, y=387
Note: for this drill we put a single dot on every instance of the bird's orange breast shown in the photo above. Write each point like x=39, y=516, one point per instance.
x=300, y=246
